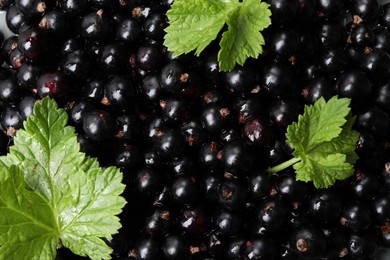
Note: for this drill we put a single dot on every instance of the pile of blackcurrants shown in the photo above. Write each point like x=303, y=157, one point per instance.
x=194, y=143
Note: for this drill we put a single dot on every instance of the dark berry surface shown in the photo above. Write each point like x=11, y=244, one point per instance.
x=194, y=143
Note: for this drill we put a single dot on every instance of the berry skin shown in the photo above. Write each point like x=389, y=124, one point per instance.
x=149, y=57
x=26, y=106
x=374, y=120
x=366, y=10
x=386, y=176
x=175, y=247
x=127, y=157
x=245, y=108
x=376, y=64
x=147, y=249
x=356, y=216
x=259, y=185
x=257, y=132
x=76, y=64
x=184, y=190
x=128, y=129
x=96, y=26
x=277, y=79
x=241, y=80
x=308, y=241
x=381, y=209
x=16, y=58
x=99, y=125
x=129, y=31
x=154, y=26
x=14, y=18
x=364, y=185
x=159, y=222
x=260, y=248
x=192, y=220
x=317, y=88
x=28, y=74
x=331, y=34
x=291, y=189
x=236, y=158
x=228, y=223
x=170, y=144
x=54, y=24
x=354, y=84
x=93, y=89
x=284, y=43
x=362, y=36
x=173, y=78
x=114, y=58
x=232, y=195
x=215, y=117
x=362, y=246
x=175, y=110
x=32, y=9
x=336, y=242
x=330, y=9
x=284, y=12
x=10, y=91
x=54, y=85
x=31, y=43
x=382, y=95
x=208, y=156
x=74, y=7
x=11, y=120
x=283, y=112
x=119, y=92
x=148, y=182
x=79, y=110
x=273, y=213
x=325, y=206
x=210, y=186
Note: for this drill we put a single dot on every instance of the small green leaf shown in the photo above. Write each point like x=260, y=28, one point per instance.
x=323, y=169
x=195, y=24
x=80, y=201
x=324, y=143
x=243, y=38
x=319, y=123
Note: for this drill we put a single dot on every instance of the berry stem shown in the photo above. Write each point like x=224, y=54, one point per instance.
x=283, y=165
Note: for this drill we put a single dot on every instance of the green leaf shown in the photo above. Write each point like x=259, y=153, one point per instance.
x=344, y=143
x=243, y=38
x=319, y=123
x=83, y=199
x=193, y=25
x=27, y=222
x=324, y=142
x=323, y=169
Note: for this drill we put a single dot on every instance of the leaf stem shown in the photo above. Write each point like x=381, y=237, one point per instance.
x=284, y=165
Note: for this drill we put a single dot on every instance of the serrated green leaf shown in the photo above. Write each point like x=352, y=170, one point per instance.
x=344, y=143
x=324, y=142
x=323, y=169
x=243, y=38
x=319, y=123
x=26, y=223
x=194, y=24
x=39, y=148
x=83, y=199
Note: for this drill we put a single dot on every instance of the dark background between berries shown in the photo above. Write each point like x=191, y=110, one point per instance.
x=194, y=143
